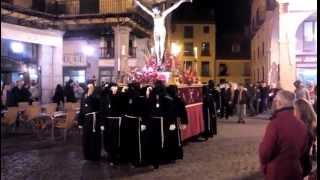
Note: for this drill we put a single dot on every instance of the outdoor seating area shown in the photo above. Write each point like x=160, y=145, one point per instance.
x=41, y=120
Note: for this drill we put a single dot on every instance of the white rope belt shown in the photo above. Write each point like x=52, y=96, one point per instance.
x=119, y=125
x=94, y=120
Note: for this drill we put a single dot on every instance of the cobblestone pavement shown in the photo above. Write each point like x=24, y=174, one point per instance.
x=231, y=155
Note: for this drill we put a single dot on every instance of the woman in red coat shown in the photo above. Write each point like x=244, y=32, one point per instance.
x=285, y=142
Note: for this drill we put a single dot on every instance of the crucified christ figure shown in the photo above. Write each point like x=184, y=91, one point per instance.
x=159, y=29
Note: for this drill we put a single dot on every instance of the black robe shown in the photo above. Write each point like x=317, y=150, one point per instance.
x=132, y=148
x=162, y=142
x=112, y=110
x=209, y=113
x=89, y=118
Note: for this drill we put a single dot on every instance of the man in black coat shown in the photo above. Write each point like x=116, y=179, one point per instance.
x=69, y=92
x=240, y=100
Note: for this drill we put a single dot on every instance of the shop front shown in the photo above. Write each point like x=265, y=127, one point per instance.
x=74, y=68
x=19, y=61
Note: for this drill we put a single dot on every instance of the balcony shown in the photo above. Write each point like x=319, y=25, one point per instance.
x=106, y=53
x=133, y=52
x=72, y=15
x=205, y=53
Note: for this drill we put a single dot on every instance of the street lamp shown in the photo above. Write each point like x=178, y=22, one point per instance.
x=175, y=49
x=17, y=47
x=88, y=50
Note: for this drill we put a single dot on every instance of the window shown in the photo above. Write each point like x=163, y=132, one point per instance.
x=308, y=31
x=246, y=69
x=188, y=32
x=309, y=35
x=89, y=6
x=235, y=48
x=262, y=73
x=206, y=29
x=205, y=49
x=263, y=49
x=205, y=69
x=106, y=75
x=258, y=75
x=188, y=49
x=188, y=64
x=258, y=52
x=173, y=28
x=223, y=70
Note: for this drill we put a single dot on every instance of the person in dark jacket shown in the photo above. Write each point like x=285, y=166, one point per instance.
x=58, y=96
x=228, y=101
x=251, y=98
x=284, y=144
x=69, y=92
x=264, y=97
x=25, y=95
x=240, y=100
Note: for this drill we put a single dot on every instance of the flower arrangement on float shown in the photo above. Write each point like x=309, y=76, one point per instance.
x=151, y=72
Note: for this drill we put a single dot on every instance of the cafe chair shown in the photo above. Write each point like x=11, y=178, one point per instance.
x=9, y=118
x=66, y=122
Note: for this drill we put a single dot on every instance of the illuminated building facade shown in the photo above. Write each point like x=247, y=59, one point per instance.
x=284, y=41
x=71, y=39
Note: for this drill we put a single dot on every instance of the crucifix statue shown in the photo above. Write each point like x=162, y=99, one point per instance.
x=159, y=29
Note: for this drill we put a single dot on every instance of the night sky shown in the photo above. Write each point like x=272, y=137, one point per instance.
x=230, y=15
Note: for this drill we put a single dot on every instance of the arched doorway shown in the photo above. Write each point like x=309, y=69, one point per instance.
x=306, y=49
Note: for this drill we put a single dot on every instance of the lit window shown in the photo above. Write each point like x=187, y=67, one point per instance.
x=205, y=69
x=308, y=31
x=188, y=49
x=205, y=49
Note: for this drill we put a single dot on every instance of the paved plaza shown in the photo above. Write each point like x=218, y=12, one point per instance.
x=233, y=154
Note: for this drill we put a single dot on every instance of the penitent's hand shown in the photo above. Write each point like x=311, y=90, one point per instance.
x=183, y=126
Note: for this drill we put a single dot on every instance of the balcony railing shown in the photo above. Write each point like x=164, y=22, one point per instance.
x=106, y=53
x=205, y=53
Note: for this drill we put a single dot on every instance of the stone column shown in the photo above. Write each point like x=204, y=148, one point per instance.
x=287, y=64
x=121, y=36
x=51, y=63
x=46, y=63
x=142, y=48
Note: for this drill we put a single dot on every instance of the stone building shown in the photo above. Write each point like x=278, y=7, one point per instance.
x=196, y=37
x=53, y=41
x=283, y=41
x=233, y=62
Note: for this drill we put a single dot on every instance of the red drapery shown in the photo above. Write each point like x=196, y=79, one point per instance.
x=192, y=96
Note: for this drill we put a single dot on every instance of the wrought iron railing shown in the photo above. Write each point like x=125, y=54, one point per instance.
x=106, y=53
